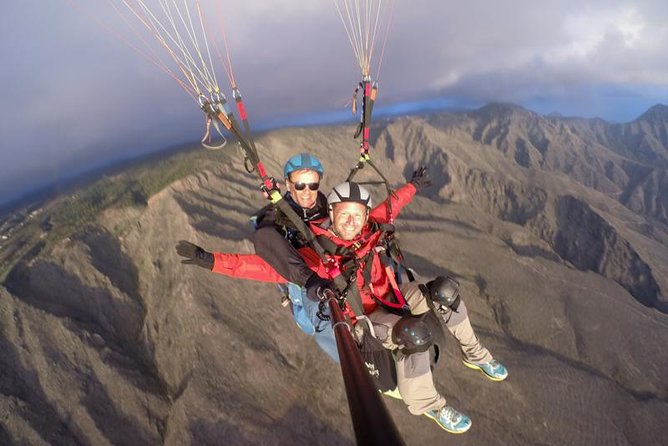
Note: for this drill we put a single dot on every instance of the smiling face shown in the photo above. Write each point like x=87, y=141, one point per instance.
x=303, y=178
x=348, y=219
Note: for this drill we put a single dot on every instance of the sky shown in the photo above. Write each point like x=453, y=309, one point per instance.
x=74, y=95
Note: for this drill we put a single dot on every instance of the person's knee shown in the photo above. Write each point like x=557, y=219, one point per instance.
x=443, y=291
x=412, y=335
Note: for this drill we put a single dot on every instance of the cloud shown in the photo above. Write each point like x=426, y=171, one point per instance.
x=74, y=94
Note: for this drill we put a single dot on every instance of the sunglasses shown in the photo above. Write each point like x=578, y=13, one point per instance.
x=302, y=186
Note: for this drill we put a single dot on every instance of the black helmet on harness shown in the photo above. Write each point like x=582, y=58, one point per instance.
x=412, y=335
x=444, y=290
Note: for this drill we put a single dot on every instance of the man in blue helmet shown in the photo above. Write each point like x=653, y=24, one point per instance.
x=276, y=241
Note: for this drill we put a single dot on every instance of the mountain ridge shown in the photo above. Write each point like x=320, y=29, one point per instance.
x=559, y=243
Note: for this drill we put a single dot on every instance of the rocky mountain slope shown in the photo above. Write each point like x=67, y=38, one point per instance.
x=557, y=229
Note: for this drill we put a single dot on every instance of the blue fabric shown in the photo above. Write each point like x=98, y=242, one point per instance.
x=298, y=312
x=305, y=312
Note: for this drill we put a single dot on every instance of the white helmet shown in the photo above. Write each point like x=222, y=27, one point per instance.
x=350, y=191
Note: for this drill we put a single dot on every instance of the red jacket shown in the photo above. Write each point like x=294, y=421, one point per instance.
x=251, y=266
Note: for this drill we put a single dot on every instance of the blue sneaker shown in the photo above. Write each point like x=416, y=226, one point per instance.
x=493, y=369
x=450, y=420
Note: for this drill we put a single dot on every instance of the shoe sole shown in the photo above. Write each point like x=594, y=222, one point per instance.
x=475, y=367
x=446, y=429
x=393, y=394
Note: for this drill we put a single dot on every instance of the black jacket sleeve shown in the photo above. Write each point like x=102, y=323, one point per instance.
x=274, y=248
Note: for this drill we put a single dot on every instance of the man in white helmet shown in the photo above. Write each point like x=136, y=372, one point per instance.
x=353, y=230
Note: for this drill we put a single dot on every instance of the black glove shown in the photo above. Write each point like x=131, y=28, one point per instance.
x=316, y=287
x=194, y=255
x=420, y=179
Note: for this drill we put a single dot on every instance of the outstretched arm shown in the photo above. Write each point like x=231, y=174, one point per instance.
x=245, y=266
x=398, y=200
x=251, y=266
x=242, y=266
x=401, y=196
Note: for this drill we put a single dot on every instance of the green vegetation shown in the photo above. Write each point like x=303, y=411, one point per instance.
x=132, y=187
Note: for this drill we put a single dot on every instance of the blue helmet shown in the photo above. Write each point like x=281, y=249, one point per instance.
x=303, y=161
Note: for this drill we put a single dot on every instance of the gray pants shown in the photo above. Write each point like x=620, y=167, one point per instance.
x=414, y=377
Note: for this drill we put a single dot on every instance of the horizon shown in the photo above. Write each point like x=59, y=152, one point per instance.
x=86, y=175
